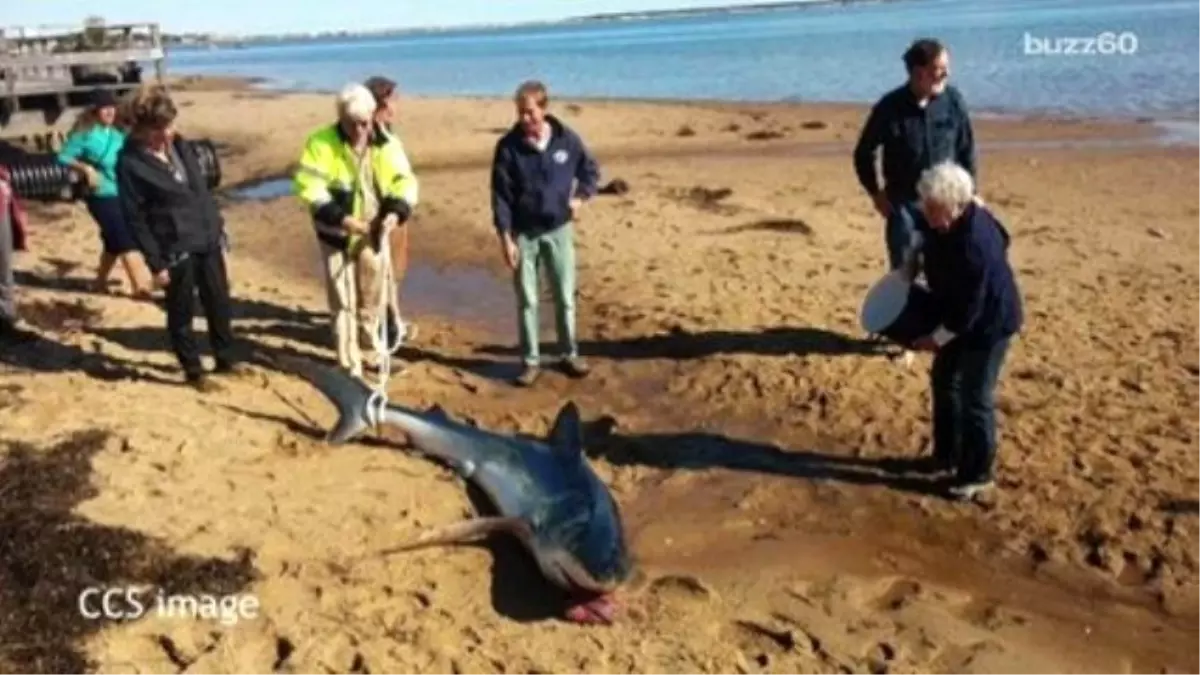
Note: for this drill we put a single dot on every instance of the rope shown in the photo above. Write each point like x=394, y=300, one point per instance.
x=378, y=401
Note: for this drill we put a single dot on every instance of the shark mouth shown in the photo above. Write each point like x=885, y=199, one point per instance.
x=593, y=610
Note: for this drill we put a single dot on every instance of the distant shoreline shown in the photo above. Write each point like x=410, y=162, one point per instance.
x=210, y=40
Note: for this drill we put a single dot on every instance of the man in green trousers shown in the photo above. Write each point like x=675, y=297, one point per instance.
x=542, y=174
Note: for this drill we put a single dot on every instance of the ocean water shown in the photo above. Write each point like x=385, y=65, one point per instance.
x=1006, y=56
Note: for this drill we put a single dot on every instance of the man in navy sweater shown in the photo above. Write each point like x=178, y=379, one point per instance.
x=542, y=173
x=964, y=252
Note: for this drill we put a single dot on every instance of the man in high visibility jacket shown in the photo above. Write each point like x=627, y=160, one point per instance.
x=357, y=183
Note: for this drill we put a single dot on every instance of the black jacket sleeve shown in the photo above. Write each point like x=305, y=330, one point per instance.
x=502, y=190
x=587, y=171
x=869, y=139
x=964, y=145
x=133, y=206
x=965, y=302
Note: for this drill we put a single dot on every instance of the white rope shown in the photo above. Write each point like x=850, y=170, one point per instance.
x=378, y=401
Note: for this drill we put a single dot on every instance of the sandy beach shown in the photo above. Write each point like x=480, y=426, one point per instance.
x=735, y=409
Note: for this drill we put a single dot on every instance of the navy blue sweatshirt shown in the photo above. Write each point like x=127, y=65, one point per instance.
x=913, y=139
x=532, y=189
x=968, y=273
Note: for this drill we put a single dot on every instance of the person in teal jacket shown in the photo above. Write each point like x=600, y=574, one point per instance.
x=92, y=148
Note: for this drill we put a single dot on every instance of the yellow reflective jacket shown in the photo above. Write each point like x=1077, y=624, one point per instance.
x=326, y=180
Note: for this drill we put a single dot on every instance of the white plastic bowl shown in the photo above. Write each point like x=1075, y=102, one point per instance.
x=884, y=302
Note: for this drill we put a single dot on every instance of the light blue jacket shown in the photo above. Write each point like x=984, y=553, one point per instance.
x=99, y=146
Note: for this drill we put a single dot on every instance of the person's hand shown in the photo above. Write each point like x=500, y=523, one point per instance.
x=883, y=206
x=576, y=206
x=508, y=248
x=910, y=268
x=355, y=226
x=162, y=279
x=925, y=343
x=90, y=175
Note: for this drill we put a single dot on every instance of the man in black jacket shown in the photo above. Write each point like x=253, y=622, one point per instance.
x=542, y=173
x=179, y=229
x=918, y=124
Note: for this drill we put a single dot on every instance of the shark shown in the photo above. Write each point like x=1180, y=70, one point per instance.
x=544, y=491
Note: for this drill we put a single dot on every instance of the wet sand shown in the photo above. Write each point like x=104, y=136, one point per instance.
x=747, y=430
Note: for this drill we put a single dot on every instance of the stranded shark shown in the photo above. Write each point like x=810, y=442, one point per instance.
x=546, y=493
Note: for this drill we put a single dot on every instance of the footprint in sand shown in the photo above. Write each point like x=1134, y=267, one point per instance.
x=898, y=624
x=763, y=644
x=675, y=596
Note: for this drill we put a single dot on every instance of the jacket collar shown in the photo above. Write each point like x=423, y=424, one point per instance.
x=378, y=137
x=517, y=134
x=152, y=163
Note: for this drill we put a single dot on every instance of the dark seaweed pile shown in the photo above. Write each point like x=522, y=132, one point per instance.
x=49, y=556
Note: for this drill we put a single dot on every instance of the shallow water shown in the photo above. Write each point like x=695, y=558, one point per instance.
x=263, y=190
x=461, y=293
x=826, y=52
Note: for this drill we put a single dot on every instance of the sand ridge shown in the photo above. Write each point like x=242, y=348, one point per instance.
x=738, y=416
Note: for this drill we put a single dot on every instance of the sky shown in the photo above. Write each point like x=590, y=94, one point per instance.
x=245, y=17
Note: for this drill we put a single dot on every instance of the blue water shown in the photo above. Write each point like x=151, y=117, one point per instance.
x=837, y=52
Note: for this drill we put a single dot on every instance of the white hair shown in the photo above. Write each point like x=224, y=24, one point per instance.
x=356, y=101
x=948, y=185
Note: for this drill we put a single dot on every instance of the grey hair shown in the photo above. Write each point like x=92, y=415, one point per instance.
x=947, y=184
x=356, y=101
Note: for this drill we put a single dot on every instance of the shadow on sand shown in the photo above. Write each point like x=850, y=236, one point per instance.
x=1182, y=507
x=40, y=353
x=695, y=451
x=46, y=355
x=683, y=345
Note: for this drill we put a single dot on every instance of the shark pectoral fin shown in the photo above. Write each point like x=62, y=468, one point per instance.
x=567, y=433
x=460, y=533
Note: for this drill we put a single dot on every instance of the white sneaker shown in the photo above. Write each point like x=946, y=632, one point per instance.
x=968, y=491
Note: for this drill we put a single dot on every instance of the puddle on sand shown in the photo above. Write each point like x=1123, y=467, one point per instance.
x=262, y=190
x=459, y=293
x=469, y=294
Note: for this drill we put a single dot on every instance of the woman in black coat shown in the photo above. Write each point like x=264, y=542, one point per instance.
x=179, y=229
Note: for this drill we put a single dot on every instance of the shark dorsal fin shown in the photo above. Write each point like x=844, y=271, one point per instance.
x=566, y=436
x=436, y=411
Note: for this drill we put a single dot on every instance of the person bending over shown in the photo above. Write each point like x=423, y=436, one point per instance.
x=964, y=252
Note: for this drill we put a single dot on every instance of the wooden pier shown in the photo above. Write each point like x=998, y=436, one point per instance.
x=48, y=76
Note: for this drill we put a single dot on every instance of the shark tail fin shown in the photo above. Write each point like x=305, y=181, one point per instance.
x=349, y=395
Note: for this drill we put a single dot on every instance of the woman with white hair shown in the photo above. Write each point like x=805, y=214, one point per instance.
x=963, y=250
x=356, y=180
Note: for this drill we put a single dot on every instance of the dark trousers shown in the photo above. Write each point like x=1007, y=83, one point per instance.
x=203, y=272
x=901, y=230
x=964, y=380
